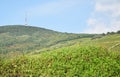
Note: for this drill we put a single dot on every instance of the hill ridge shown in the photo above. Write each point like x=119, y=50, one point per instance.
x=28, y=38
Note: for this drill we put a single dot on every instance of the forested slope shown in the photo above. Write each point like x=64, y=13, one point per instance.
x=20, y=39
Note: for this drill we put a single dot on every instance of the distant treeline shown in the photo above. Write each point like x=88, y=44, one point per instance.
x=118, y=32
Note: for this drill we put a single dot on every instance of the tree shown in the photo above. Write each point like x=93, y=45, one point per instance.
x=103, y=34
x=110, y=33
x=118, y=31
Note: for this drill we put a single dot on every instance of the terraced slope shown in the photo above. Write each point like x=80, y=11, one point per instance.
x=65, y=55
x=110, y=42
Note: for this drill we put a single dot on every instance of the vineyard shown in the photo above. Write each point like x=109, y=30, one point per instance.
x=65, y=62
x=28, y=53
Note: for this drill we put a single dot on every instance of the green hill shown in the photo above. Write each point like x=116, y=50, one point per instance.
x=110, y=42
x=65, y=54
x=20, y=39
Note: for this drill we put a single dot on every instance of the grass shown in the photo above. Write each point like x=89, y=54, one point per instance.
x=107, y=42
x=72, y=61
x=64, y=55
x=26, y=39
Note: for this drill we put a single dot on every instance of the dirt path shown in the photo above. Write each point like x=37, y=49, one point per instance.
x=114, y=46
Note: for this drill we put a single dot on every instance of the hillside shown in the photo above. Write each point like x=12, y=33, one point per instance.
x=64, y=54
x=110, y=42
x=72, y=61
x=20, y=39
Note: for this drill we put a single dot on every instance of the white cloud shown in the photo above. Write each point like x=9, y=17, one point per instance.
x=96, y=29
x=52, y=7
x=113, y=7
x=91, y=22
x=105, y=17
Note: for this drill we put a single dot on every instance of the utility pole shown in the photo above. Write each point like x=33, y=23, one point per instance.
x=26, y=20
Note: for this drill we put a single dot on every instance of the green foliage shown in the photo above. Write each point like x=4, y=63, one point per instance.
x=118, y=32
x=107, y=42
x=110, y=33
x=25, y=39
x=67, y=54
x=73, y=61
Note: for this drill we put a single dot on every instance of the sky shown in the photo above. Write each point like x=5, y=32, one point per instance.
x=72, y=16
